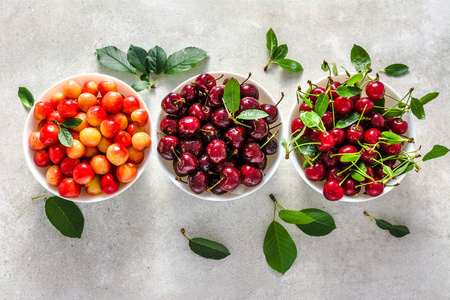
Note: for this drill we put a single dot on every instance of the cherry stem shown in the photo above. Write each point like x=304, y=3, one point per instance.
x=273, y=135
x=242, y=124
x=206, y=130
x=36, y=197
x=177, y=178
x=249, y=75
x=360, y=117
x=215, y=79
x=182, y=232
x=267, y=66
x=210, y=188
x=282, y=96
x=234, y=153
x=161, y=133
x=174, y=152
x=367, y=214
x=279, y=124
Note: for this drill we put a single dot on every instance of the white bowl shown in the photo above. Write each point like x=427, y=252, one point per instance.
x=241, y=191
x=298, y=159
x=31, y=125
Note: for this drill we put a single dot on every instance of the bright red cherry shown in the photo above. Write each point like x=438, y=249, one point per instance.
x=374, y=188
x=188, y=126
x=326, y=140
x=232, y=178
x=375, y=90
x=343, y=106
x=205, y=82
x=399, y=126
x=315, y=93
x=332, y=191
x=315, y=172
x=217, y=151
x=371, y=136
x=364, y=104
x=251, y=176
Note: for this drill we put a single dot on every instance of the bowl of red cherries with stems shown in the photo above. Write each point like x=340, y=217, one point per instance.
x=353, y=136
x=217, y=136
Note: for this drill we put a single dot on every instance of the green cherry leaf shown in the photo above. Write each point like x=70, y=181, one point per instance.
x=349, y=157
x=140, y=85
x=357, y=176
x=335, y=70
x=323, y=223
x=271, y=41
x=232, y=95
x=428, y=97
x=156, y=60
x=184, y=60
x=290, y=65
x=401, y=168
x=417, y=108
x=391, y=138
x=294, y=217
x=354, y=79
x=392, y=113
x=321, y=104
x=348, y=120
x=280, y=52
x=72, y=122
x=310, y=118
x=208, y=249
x=348, y=91
x=65, y=216
x=396, y=69
x=381, y=103
x=26, y=97
x=279, y=248
x=252, y=114
x=308, y=150
x=114, y=58
x=383, y=224
x=436, y=152
x=65, y=137
x=360, y=58
x=136, y=57
x=395, y=230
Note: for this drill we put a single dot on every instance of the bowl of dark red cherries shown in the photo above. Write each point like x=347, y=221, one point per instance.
x=352, y=138
x=218, y=136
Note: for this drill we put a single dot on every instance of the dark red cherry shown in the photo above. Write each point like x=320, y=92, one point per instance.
x=249, y=90
x=315, y=93
x=354, y=98
x=332, y=191
x=215, y=96
x=252, y=153
x=201, y=112
x=205, y=82
x=189, y=93
x=236, y=136
x=208, y=133
x=315, y=172
x=251, y=176
x=220, y=118
x=166, y=146
x=332, y=93
x=217, y=151
x=248, y=103
x=349, y=186
x=355, y=133
x=328, y=160
x=364, y=104
x=377, y=121
x=272, y=112
x=229, y=162
x=205, y=164
x=198, y=182
x=192, y=146
x=262, y=164
x=391, y=149
x=333, y=174
x=399, y=126
x=169, y=125
x=259, y=129
x=369, y=155
x=327, y=120
x=326, y=141
x=339, y=135
x=314, y=134
x=232, y=178
x=369, y=171
x=187, y=163
x=343, y=106
x=271, y=145
x=375, y=90
x=297, y=126
x=217, y=189
x=172, y=103
x=188, y=126
x=374, y=188
x=371, y=136
x=305, y=107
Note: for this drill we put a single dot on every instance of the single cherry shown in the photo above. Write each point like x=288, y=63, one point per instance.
x=377, y=121
x=315, y=93
x=349, y=186
x=332, y=191
x=209, y=132
x=201, y=112
x=249, y=90
x=374, y=188
x=343, y=106
x=327, y=120
x=332, y=93
x=220, y=118
x=364, y=104
x=236, y=136
x=391, y=149
x=194, y=146
x=217, y=151
x=297, y=126
x=205, y=82
x=252, y=153
x=259, y=129
x=198, y=182
x=187, y=163
x=251, y=176
x=169, y=125
x=232, y=178
x=355, y=133
x=172, y=103
x=339, y=135
x=215, y=96
x=189, y=93
x=166, y=146
x=328, y=160
x=326, y=140
x=248, y=103
x=272, y=112
x=399, y=126
x=189, y=126
x=371, y=136
x=375, y=90
x=315, y=172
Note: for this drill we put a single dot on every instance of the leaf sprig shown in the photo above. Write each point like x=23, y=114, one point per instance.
x=153, y=61
x=206, y=248
x=279, y=248
x=278, y=54
x=395, y=230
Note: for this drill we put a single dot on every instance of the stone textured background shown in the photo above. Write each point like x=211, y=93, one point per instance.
x=131, y=247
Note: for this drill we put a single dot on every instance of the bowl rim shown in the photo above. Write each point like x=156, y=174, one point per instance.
x=297, y=160
x=242, y=191
x=84, y=197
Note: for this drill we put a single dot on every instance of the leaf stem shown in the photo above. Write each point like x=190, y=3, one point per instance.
x=36, y=197
x=182, y=232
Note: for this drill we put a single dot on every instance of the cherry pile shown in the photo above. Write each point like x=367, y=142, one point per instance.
x=216, y=151
x=361, y=153
x=89, y=136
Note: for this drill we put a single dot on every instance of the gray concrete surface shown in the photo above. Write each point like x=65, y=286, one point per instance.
x=131, y=247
